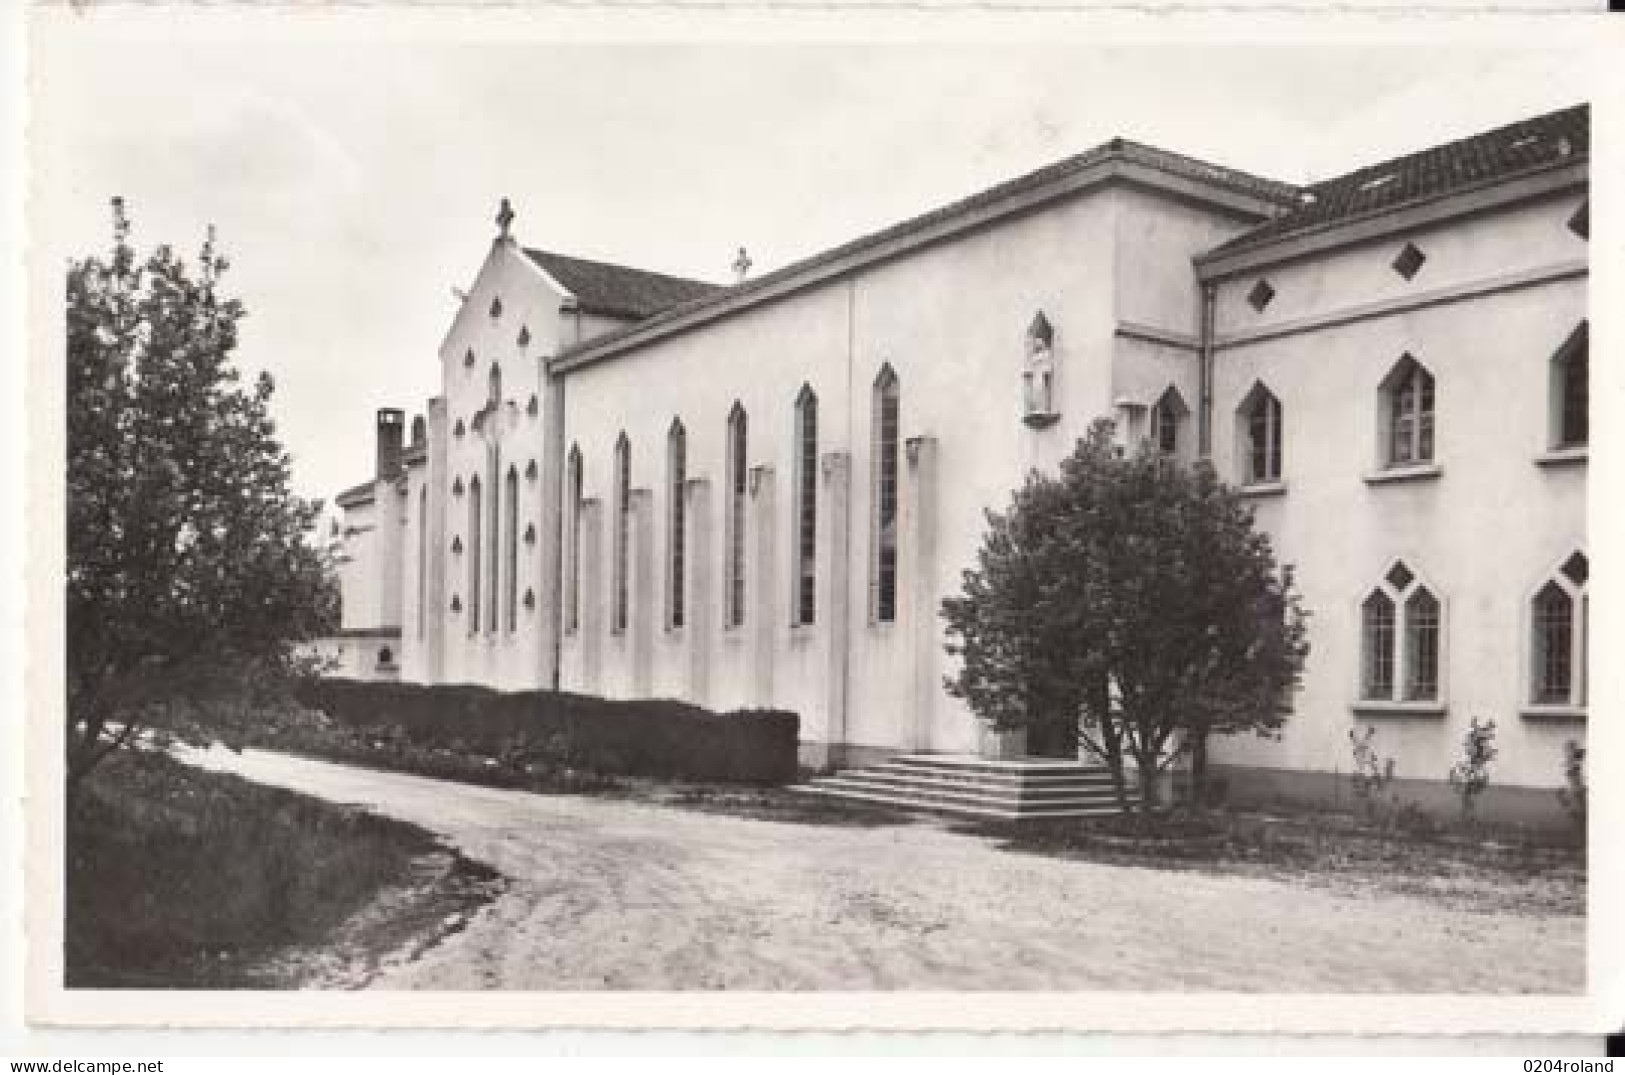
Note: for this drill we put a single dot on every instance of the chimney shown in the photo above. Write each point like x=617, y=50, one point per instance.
x=391, y=426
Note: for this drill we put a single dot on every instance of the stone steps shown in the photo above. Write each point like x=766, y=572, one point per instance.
x=963, y=786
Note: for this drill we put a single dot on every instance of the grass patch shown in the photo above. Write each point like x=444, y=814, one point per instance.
x=1499, y=873
x=179, y=878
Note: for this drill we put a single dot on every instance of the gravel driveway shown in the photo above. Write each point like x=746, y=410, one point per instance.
x=621, y=895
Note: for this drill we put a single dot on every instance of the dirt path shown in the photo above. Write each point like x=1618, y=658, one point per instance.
x=617, y=895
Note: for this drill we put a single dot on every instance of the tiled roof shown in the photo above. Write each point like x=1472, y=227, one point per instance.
x=356, y=494
x=1118, y=149
x=615, y=290
x=1531, y=145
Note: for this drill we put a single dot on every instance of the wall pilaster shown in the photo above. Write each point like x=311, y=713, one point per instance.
x=764, y=589
x=698, y=606
x=836, y=595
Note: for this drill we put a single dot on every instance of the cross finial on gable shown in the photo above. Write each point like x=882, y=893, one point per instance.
x=504, y=217
x=741, y=266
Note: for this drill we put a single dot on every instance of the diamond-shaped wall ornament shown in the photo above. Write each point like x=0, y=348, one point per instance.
x=530, y=534
x=532, y=407
x=1580, y=222
x=468, y=359
x=1410, y=261
x=530, y=471
x=496, y=306
x=457, y=544
x=530, y=599
x=1260, y=296
x=1577, y=568
x=1399, y=576
x=457, y=486
x=524, y=335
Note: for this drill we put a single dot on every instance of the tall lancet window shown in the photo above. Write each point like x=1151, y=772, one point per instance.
x=883, y=498
x=572, y=581
x=623, y=532
x=494, y=529
x=493, y=385
x=510, y=537
x=806, y=494
x=734, y=572
x=476, y=579
x=676, y=521
x=423, y=556
x=1261, y=437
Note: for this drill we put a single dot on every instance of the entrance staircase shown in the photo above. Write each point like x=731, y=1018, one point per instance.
x=961, y=785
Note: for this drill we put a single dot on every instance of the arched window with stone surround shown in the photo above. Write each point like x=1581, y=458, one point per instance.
x=621, y=583
x=676, y=521
x=738, y=466
x=510, y=538
x=885, y=438
x=805, y=599
x=1559, y=615
x=572, y=581
x=476, y=580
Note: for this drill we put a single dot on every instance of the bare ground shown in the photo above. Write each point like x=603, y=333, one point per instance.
x=605, y=893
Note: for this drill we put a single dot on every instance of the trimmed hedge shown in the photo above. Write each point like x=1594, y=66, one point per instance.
x=655, y=738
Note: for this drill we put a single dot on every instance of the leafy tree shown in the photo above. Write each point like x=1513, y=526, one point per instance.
x=189, y=576
x=1127, y=602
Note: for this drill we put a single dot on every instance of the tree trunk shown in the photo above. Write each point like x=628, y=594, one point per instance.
x=1198, y=740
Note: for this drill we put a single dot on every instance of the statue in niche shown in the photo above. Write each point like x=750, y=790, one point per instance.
x=1038, y=373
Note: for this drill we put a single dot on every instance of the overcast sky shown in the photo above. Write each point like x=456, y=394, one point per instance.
x=353, y=184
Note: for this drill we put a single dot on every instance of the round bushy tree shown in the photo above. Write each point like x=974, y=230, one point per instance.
x=1128, y=603
x=189, y=574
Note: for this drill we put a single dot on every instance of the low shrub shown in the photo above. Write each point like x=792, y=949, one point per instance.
x=526, y=730
x=1573, y=794
x=1471, y=775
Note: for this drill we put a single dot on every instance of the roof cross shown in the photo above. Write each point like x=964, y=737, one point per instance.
x=505, y=217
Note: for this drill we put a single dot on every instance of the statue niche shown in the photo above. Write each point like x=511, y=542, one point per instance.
x=1038, y=375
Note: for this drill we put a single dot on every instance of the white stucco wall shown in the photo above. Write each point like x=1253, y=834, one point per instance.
x=517, y=656
x=1484, y=533
x=950, y=319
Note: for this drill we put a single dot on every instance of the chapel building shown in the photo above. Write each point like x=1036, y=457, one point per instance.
x=636, y=485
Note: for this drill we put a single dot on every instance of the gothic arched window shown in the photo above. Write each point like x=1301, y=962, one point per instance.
x=1407, y=400
x=1402, y=631
x=476, y=580
x=572, y=581
x=676, y=521
x=1571, y=390
x=623, y=532
x=1558, y=622
x=510, y=537
x=738, y=467
x=805, y=605
x=1260, y=429
x=884, y=470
